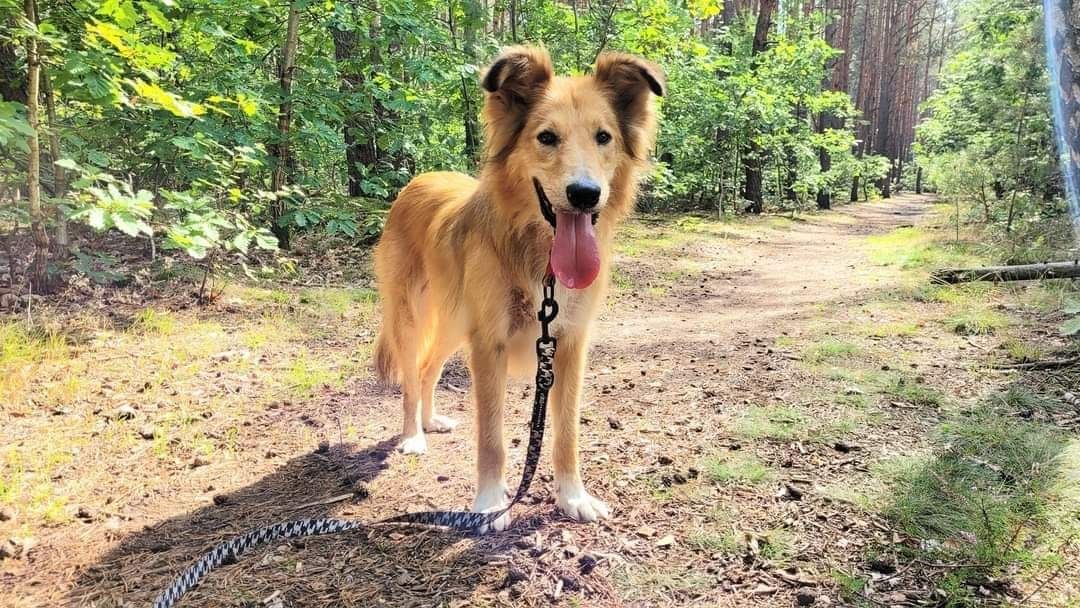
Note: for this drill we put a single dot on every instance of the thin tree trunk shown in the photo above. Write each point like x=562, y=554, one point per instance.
x=350, y=83
x=59, y=176
x=752, y=189
x=281, y=148
x=474, y=19
x=39, y=266
x=513, y=21
x=1016, y=163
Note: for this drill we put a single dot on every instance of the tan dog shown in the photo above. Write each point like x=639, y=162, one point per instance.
x=461, y=260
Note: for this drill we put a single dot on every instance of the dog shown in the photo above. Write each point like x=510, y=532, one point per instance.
x=461, y=260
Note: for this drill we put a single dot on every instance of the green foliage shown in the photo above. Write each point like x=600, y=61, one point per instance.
x=986, y=498
x=989, y=128
x=168, y=113
x=1071, y=327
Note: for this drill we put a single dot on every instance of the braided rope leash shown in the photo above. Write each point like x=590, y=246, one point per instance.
x=228, y=552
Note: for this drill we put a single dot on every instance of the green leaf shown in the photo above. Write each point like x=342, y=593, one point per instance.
x=95, y=216
x=1072, y=307
x=266, y=240
x=241, y=241
x=130, y=225
x=1071, y=327
x=68, y=164
x=157, y=17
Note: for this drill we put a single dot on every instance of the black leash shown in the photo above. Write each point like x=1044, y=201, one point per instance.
x=228, y=552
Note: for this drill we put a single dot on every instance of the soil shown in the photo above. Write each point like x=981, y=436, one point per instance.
x=681, y=360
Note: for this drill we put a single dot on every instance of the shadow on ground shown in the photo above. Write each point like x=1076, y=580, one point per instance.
x=411, y=566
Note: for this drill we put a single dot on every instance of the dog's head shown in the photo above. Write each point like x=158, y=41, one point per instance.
x=581, y=138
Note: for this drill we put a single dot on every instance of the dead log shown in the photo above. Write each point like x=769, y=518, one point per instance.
x=1042, y=365
x=1020, y=272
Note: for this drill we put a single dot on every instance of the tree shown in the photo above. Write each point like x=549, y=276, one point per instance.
x=752, y=190
x=39, y=266
x=280, y=148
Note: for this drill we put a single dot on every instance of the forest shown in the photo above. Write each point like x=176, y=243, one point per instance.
x=838, y=364
x=207, y=137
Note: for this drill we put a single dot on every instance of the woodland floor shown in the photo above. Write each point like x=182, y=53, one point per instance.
x=756, y=390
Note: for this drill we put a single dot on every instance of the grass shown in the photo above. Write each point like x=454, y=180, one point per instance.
x=737, y=467
x=22, y=352
x=900, y=329
x=708, y=541
x=1022, y=351
x=640, y=583
x=772, y=422
x=976, y=321
x=150, y=321
x=990, y=496
x=910, y=390
x=914, y=248
x=829, y=350
x=305, y=375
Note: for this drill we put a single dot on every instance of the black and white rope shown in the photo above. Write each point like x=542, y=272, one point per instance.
x=228, y=552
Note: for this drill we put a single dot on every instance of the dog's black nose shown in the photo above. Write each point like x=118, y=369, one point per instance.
x=583, y=194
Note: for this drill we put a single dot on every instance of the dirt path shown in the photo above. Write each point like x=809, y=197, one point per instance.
x=730, y=463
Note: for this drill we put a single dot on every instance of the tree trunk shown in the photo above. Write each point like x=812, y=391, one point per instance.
x=513, y=21
x=474, y=19
x=280, y=150
x=350, y=84
x=918, y=180
x=58, y=174
x=39, y=266
x=752, y=189
x=835, y=79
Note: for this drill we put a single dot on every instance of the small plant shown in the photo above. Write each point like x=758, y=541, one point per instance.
x=775, y=422
x=910, y=390
x=830, y=350
x=1071, y=327
x=976, y=322
x=737, y=467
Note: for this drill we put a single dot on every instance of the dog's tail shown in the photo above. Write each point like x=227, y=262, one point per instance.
x=386, y=369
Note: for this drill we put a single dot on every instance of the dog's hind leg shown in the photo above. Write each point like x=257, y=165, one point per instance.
x=443, y=344
x=405, y=335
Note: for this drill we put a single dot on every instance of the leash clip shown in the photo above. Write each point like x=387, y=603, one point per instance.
x=549, y=309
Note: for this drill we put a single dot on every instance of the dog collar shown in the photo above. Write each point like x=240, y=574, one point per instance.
x=545, y=205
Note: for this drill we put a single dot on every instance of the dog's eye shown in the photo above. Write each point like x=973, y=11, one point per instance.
x=602, y=137
x=547, y=138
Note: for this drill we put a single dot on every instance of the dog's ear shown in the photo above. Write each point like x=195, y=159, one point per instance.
x=629, y=83
x=515, y=80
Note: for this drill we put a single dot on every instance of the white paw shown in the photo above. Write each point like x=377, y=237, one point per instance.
x=440, y=424
x=493, y=499
x=416, y=444
x=578, y=504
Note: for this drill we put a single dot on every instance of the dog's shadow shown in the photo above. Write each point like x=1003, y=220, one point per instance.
x=402, y=566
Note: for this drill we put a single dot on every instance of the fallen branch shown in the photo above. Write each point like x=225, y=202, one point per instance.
x=1041, y=365
x=1021, y=272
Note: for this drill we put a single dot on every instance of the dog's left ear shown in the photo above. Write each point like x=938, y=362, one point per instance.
x=629, y=82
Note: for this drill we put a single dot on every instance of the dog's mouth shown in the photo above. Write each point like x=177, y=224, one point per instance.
x=575, y=252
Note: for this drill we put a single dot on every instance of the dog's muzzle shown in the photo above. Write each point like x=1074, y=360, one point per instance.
x=545, y=205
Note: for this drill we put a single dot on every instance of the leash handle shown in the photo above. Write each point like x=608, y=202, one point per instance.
x=228, y=552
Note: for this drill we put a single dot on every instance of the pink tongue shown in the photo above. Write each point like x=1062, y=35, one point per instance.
x=575, y=256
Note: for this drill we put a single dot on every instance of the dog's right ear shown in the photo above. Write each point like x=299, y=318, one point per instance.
x=518, y=75
x=515, y=80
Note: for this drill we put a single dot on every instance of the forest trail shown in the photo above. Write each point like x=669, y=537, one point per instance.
x=738, y=452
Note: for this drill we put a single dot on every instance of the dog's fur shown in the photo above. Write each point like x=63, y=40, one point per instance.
x=461, y=260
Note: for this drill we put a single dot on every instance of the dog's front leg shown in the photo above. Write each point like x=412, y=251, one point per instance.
x=572, y=498
x=487, y=364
